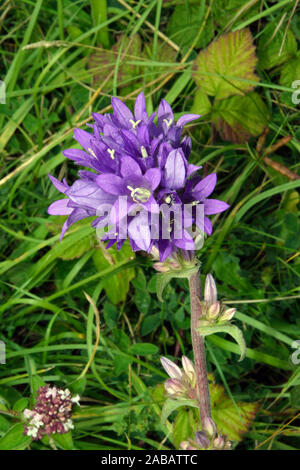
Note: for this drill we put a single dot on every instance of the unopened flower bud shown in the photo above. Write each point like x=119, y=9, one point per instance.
x=184, y=445
x=189, y=369
x=213, y=311
x=174, y=387
x=228, y=314
x=219, y=443
x=201, y=440
x=210, y=290
x=171, y=368
x=161, y=267
x=209, y=427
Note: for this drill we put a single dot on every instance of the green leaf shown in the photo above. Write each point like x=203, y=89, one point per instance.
x=163, y=279
x=172, y=405
x=185, y=425
x=36, y=383
x=290, y=71
x=239, y=117
x=150, y=323
x=201, y=104
x=117, y=286
x=21, y=404
x=185, y=23
x=269, y=47
x=225, y=66
x=116, y=60
x=230, y=421
x=74, y=244
x=64, y=441
x=143, y=349
x=230, y=329
x=14, y=439
x=225, y=10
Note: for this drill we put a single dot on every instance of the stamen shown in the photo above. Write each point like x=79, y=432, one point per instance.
x=194, y=203
x=168, y=122
x=134, y=123
x=168, y=199
x=92, y=152
x=139, y=194
x=111, y=153
x=144, y=152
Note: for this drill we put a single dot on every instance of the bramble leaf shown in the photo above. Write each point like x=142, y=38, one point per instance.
x=239, y=117
x=225, y=66
x=274, y=49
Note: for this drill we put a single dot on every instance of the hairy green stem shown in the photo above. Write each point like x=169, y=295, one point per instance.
x=199, y=348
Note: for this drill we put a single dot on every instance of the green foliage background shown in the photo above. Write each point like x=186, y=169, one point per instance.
x=61, y=60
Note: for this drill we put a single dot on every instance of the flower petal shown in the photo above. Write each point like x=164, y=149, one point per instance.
x=111, y=183
x=205, y=187
x=60, y=207
x=130, y=167
x=214, y=206
x=183, y=120
x=153, y=176
x=175, y=170
x=139, y=232
x=122, y=113
x=140, y=108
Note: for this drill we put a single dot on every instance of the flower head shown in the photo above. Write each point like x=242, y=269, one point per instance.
x=51, y=413
x=139, y=184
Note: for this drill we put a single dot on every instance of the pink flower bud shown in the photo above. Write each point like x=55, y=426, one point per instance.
x=171, y=368
x=228, y=314
x=174, y=388
x=219, y=443
x=201, y=440
x=210, y=290
x=189, y=369
x=184, y=445
x=213, y=311
x=209, y=427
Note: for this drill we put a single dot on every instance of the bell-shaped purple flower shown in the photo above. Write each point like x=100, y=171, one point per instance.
x=139, y=183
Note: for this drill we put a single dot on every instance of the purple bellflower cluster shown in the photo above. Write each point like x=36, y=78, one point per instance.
x=140, y=172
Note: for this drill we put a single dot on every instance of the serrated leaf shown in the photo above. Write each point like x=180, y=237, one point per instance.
x=143, y=349
x=185, y=425
x=172, y=405
x=225, y=10
x=164, y=53
x=229, y=421
x=117, y=286
x=230, y=329
x=270, y=45
x=232, y=56
x=201, y=104
x=185, y=23
x=103, y=62
x=290, y=71
x=239, y=117
x=14, y=439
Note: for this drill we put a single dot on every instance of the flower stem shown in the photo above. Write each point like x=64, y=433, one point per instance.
x=198, y=347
